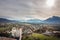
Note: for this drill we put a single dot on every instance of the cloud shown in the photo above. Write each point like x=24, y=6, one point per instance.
x=21, y=9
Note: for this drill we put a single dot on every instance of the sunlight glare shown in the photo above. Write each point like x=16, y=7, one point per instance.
x=50, y=3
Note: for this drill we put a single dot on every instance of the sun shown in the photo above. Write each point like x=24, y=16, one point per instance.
x=50, y=3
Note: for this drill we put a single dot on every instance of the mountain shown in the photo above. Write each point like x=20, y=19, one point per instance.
x=51, y=20
x=54, y=19
x=34, y=21
x=3, y=20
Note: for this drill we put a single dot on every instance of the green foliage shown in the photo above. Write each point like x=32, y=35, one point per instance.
x=36, y=36
x=3, y=29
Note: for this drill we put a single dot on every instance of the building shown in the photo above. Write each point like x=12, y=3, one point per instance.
x=17, y=32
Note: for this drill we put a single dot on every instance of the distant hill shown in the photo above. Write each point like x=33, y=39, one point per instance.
x=54, y=19
x=34, y=21
x=51, y=20
x=4, y=20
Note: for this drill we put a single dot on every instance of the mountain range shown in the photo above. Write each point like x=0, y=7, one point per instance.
x=53, y=19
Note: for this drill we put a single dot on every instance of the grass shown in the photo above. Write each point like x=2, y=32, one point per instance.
x=36, y=36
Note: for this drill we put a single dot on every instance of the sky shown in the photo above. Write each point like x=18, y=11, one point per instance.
x=29, y=9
